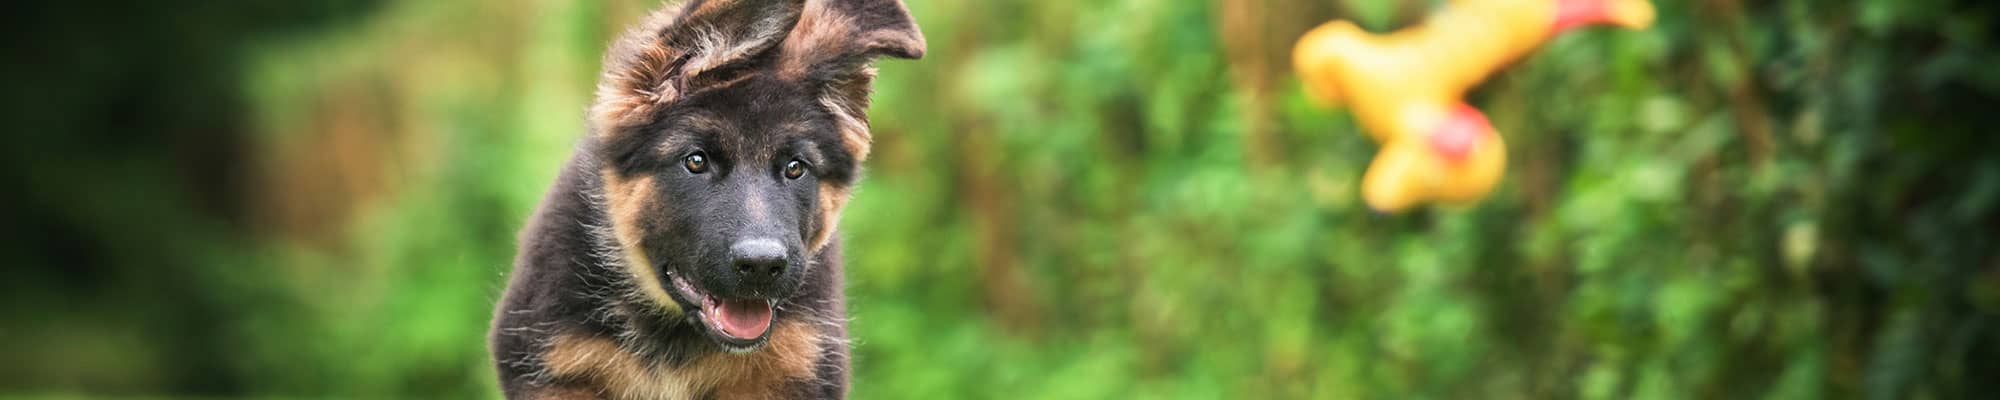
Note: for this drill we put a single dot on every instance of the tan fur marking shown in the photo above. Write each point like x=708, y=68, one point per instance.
x=627, y=202
x=596, y=361
x=617, y=373
x=793, y=348
x=809, y=40
x=854, y=134
x=831, y=199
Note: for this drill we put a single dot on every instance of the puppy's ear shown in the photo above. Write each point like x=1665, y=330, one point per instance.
x=841, y=36
x=832, y=46
x=682, y=50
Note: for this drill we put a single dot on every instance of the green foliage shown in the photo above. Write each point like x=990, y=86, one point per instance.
x=1093, y=199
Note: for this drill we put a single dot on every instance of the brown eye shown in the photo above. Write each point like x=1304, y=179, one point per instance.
x=697, y=162
x=795, y=169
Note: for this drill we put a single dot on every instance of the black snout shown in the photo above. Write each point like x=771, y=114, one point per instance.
x=758, y=261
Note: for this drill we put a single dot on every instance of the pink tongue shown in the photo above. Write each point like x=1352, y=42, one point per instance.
x=744, y=319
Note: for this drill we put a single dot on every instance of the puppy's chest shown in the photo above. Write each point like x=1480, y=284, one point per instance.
x=599, y=367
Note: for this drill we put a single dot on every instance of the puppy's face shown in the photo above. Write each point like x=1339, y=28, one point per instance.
x=728, y=195
x=729, y=134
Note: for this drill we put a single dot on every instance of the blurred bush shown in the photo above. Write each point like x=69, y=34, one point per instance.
x=1127, y=198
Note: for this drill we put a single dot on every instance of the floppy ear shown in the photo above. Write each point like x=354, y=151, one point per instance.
x=835, y=34
x=831, y=48
x=682, y=49
x=838, y=37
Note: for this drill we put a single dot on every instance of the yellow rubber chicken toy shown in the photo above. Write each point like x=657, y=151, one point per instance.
x=1406, y=88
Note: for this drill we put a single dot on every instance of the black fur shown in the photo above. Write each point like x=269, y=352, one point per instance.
x=563, y=284
x=750, y=103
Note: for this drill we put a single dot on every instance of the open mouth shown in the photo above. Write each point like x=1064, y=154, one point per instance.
x=739, y=325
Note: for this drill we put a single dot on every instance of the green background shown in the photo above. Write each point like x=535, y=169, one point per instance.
x=1067, y=199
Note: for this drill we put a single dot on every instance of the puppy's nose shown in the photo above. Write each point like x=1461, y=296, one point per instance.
x=758, y=260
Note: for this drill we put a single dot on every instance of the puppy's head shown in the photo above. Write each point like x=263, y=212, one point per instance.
x=728, y=135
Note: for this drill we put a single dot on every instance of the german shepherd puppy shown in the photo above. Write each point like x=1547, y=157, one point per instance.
x=687, y=249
